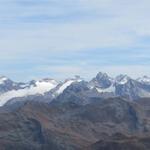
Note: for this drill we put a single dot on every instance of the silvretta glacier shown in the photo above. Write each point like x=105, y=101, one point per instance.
x=100, y=86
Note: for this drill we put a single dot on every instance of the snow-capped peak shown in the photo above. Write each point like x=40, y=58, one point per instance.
x=43, y=86
x=31, y=88
x=67, y=83
x=122, y=79
x=144, y=79
x=3, y=79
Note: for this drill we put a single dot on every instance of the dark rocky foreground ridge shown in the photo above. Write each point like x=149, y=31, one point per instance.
x=104, y=124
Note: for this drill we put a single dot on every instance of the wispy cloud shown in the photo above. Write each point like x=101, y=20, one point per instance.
x=66, y=33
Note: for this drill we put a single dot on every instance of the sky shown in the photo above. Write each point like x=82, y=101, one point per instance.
x=63, y=38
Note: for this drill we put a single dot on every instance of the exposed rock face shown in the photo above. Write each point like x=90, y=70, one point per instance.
x=121, y=142
x=72, y=126
x=101, y=80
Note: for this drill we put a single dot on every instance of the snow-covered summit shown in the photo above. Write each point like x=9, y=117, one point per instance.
x=122, y=79
x=3, y=79
x=26, y=89
x=145, y=79
x=61, y=87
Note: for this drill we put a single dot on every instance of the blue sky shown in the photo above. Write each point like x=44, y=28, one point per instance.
x=62, y=38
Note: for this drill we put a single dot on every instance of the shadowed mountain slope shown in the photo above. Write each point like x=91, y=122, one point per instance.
x=70, y=125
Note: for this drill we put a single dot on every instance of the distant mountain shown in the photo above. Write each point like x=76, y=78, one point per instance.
x=144, y=80
x=8, y=85
x=102, y=80
x=10, y=90
x=101, y=86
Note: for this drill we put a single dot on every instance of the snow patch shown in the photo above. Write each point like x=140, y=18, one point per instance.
x=144, y=79
x=66, y=84
x=2, y=80
x=40, y=88
x=122, y=79
x=111, y=89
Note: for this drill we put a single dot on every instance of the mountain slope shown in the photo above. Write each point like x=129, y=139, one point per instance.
x=70, y=126
x=121, y=142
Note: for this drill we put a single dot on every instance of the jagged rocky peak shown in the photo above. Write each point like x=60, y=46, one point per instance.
x=6, y=84
x=101, y=80
x=4, y=81
x=101, y=75
x=122, y=79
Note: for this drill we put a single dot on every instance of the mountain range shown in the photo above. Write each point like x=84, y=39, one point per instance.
x=104, y=113
x=101, y=86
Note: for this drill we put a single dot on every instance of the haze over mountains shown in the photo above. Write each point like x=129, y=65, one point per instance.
x=101, y=86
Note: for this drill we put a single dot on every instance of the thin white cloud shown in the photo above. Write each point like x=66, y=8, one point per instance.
x=126, y=23
x=46, y=28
